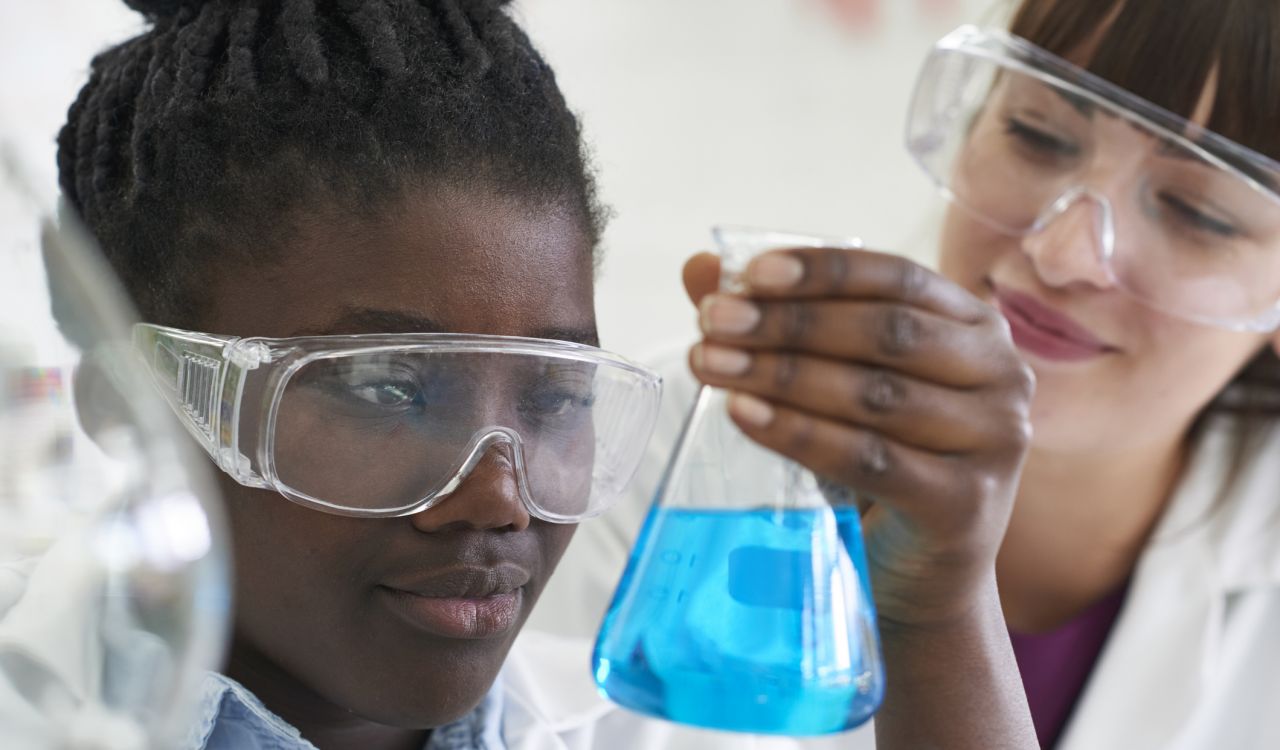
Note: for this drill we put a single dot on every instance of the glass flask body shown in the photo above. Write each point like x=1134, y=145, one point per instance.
x=745, y=605
x=114, y=577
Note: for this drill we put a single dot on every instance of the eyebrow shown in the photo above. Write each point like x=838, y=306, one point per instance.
x=1169, y=148
x=1247, y=168
x=362, y=320
x=1077, y=102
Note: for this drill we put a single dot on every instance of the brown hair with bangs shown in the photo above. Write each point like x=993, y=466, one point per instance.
x=1166, y=52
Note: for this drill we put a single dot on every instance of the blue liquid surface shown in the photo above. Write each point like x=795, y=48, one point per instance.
x=754, y=621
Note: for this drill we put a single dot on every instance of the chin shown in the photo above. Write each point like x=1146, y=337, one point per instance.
x=1063, y=426
x=422, y=688
x=444, y=705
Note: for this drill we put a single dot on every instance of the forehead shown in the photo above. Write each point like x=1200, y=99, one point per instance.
x=466, y=261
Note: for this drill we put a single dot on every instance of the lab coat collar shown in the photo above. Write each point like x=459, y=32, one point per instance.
x=1162, y=650
x=1237, y=534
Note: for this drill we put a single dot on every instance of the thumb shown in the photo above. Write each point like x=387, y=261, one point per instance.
x=701, y=276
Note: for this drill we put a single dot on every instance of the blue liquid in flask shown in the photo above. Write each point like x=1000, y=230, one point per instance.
x=756, y=620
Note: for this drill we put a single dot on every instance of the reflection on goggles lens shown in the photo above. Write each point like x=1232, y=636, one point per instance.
x=426, y=390
x=385, y=431
x=1184, y=233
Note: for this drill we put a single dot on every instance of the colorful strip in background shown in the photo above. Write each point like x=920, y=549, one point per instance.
x=32, y=385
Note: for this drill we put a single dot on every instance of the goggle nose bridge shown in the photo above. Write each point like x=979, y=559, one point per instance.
x=1103, y=222
x=484, y=439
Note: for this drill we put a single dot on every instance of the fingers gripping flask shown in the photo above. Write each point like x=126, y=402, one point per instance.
x=745, y=604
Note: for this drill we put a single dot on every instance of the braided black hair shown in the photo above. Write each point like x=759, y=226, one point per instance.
x=195, y=140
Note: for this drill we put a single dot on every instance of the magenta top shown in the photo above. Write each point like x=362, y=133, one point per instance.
x=1056, y=664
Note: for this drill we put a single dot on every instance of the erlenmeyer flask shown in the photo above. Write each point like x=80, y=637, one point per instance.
x=745, y=604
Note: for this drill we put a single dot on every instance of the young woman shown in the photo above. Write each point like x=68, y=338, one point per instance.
x=362, y=235
x=1136, y=257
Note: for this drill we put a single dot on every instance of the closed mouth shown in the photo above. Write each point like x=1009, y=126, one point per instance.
x=465, y=582
x=1045, y=331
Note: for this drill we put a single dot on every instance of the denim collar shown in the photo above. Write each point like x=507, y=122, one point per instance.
x=229, y=717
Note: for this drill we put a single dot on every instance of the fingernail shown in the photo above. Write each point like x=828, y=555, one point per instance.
x=731, y=315
x=721, y=360
x=750, y=409
x=775, y=271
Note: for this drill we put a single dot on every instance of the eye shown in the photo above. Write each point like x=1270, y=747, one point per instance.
x=386, y=393
x=1184, y=212
x=555, y=403
x=559, y=397
x=366, y=388
x=1038, y=141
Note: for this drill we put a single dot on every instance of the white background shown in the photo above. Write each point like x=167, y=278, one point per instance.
x=777, y=113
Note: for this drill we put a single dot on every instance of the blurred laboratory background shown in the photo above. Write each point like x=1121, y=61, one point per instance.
x=779, y=113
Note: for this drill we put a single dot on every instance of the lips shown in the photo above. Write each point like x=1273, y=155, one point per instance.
x=465, y=581
x=1045, y=332
x=465, y=602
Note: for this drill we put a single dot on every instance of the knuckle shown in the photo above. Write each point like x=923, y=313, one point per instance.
x=1020, y=430
x=836, y=268
x=993, y=318
x=796, y=320
x=1024, y=432
x=1008, y=435
x=1024, y=381
x=1015, y=380
x=786, y=368
x=912, y=280
x=800, y=435
x=881, y=392
x=837, y=493
x=971, y=485
x=871, y=457
x=900, y=331
x=1001, y=427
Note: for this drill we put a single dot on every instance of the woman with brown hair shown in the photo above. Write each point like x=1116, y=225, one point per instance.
x=1109, y=167
x=1126, y=221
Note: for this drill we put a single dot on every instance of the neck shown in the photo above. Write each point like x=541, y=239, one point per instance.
x=321, y=722
x=1078, y=527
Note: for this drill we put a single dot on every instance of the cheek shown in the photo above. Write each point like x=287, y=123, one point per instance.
x=1194, y=363
x=554, y=539
x=287, y=559
x=968, y=250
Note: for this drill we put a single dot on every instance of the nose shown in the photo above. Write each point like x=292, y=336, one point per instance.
x=1070, y=240
x=487, y=498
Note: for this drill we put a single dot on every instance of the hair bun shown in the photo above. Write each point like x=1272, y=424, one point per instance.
x=157, y=9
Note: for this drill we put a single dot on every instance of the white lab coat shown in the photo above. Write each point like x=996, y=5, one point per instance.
x=1192, y=663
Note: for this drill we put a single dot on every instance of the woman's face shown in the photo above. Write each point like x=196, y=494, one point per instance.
x=1113, y=374
x=321, y=619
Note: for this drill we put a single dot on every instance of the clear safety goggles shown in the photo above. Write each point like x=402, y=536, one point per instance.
x=389, y=424
x=1186, y=221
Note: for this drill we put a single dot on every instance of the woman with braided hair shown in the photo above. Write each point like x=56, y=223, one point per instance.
x=362, y=237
